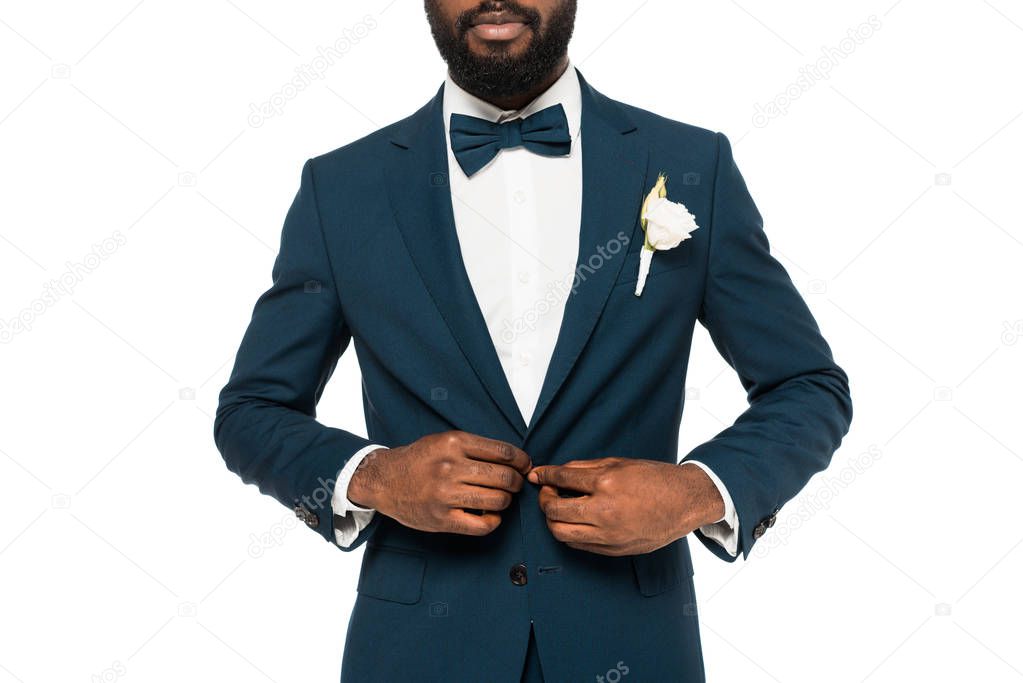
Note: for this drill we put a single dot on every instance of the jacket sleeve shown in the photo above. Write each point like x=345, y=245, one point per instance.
x=266, y=426
x=799, y=401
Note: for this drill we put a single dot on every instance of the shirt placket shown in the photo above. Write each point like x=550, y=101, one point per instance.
x=526, y=272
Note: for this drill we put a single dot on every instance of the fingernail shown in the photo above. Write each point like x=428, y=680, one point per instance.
x=532, y=477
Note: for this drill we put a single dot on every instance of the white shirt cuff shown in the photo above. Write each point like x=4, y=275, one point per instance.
x=724, y=532
x=353, y=518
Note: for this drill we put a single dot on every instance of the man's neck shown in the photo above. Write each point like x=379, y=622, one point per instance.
x=520, y=100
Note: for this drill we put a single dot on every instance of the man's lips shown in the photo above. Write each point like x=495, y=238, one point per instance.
x=499, y=26
x=507, y=31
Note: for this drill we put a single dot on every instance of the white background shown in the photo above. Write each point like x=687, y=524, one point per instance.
x=890, y=191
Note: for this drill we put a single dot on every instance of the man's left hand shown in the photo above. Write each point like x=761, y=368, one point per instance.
x=623, y=506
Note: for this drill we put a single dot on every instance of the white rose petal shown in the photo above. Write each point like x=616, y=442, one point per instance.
x=668, y=223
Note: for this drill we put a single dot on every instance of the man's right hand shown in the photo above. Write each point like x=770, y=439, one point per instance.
x=451, y=482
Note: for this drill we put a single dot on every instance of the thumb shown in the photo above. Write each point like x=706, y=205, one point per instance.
x=535, y=474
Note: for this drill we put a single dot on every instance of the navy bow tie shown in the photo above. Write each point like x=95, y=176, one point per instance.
x=476, y=141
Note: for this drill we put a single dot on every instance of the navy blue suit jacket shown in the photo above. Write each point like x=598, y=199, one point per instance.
x=369, y=253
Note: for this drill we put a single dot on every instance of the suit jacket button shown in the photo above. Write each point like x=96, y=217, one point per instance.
x=759, y=530
x=518, y=574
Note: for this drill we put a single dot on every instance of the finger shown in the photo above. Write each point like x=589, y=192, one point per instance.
x=575, y=478
x=491, y=450
x=493, y=476
x=479, y=498
x=559, y=509
x=469, y=524
x=595, y=462
x=599, y=549
x=574, y=533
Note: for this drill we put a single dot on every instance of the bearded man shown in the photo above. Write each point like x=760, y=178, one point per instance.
x=521, y=264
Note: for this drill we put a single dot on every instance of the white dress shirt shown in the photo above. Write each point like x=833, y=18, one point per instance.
x=517, y=221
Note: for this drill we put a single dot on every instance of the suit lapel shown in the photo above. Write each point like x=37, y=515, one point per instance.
x=614, y=176
x=417, y=184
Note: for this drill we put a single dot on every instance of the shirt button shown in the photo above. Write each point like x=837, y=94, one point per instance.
x=525, y=359
x=518, y=575
x=520, y=197
x=524, y=276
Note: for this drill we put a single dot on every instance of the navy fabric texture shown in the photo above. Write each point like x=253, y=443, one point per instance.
x=369, y=255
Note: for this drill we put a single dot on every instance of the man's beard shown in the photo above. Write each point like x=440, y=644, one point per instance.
x=497, y=74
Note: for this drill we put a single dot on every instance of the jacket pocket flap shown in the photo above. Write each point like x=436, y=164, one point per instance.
x=663, y=569
x=392, y=574
x=661, y=262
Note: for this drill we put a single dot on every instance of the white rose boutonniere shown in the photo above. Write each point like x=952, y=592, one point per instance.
x=665, y=223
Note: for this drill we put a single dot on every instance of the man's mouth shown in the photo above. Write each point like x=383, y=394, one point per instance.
x=499, y=26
